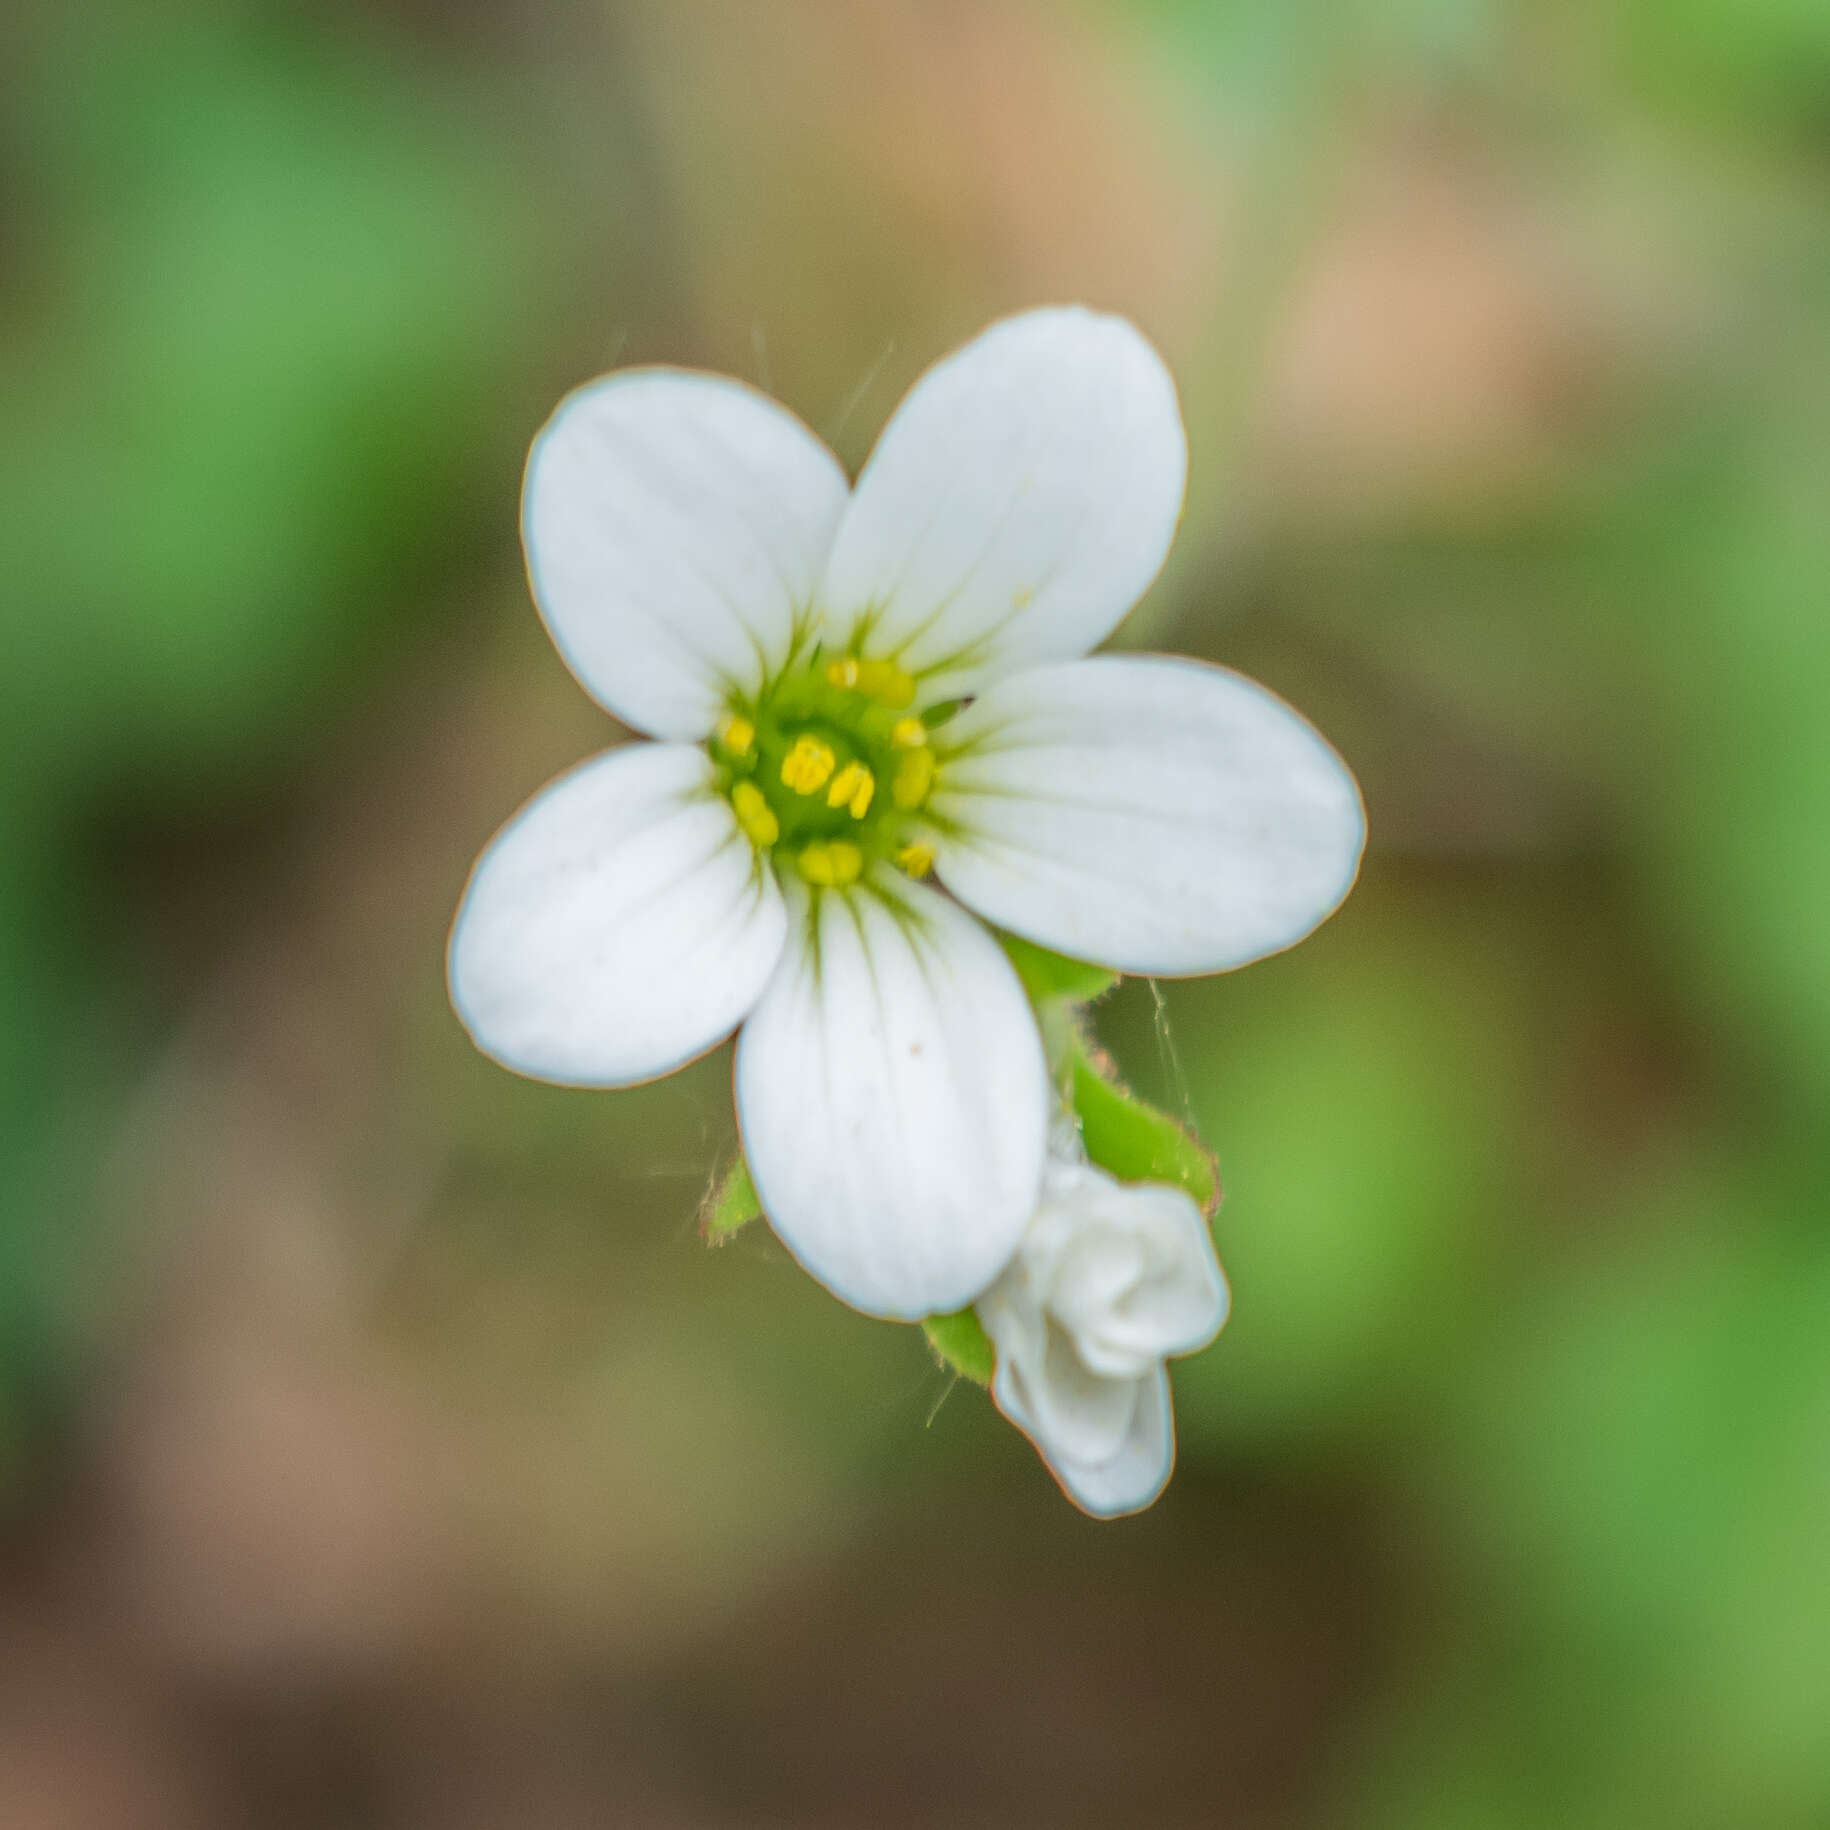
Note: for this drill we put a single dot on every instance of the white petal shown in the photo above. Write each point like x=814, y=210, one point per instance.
x=676, y=527
x=1082, y=1415
x=1134, y=1477
x=1150, y=813
x=1120, y=1476
x=1019, y=502
x=1128, y=1270
x=893, y=1099
x=619, y=925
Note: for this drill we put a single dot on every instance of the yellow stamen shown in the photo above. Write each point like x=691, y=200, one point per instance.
x=754, y=814
x=852, y=787
x=914, y=777
x=887, y=683
x=737, y=734
x=908, y=733
x=808, y=765
x=845, y=784
x=831, y=863
x=917, y=858
x=883, y=681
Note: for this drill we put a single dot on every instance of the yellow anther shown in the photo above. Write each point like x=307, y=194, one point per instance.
x=754, y=814
x=885, y=682
x=831, y=863
x=845, y=784
x=908, y=733
x=852, y=787
x=916, y=858
x=737, y=734
x=807, y=767
x=914, y=777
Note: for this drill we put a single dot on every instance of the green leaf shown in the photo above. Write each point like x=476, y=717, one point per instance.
x=1136, y=1142
x=962, y=1344
x=731, y=1206
x=1051, y=975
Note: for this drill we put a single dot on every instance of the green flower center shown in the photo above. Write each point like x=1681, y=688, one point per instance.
x=830, y=770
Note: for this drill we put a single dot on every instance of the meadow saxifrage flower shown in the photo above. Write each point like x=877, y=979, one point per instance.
x=874, y=729
x=1110, y=1280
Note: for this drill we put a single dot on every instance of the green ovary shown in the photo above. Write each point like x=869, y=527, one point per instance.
x=830, y=772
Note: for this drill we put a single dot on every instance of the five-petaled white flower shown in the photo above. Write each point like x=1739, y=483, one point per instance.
x=1110, y=1280
x=853, y=692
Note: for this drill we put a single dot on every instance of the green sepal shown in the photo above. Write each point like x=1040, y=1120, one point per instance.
x=731, y=1205
x=1053, y=975
x=962, y=1344
x=1134, y=1141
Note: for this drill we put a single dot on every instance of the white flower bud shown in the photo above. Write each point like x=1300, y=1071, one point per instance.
x=1110, y=1280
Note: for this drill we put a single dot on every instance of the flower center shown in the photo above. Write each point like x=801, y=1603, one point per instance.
x=831, y=770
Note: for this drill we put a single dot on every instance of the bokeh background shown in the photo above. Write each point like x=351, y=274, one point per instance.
x=379, y=1445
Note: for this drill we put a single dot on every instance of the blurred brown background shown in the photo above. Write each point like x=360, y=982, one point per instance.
x=379, y=1445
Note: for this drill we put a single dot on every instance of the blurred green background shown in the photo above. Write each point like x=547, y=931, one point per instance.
x=379, y=1445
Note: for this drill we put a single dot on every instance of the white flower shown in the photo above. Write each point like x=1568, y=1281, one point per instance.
x=797, y=649
x=1111, y=1279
